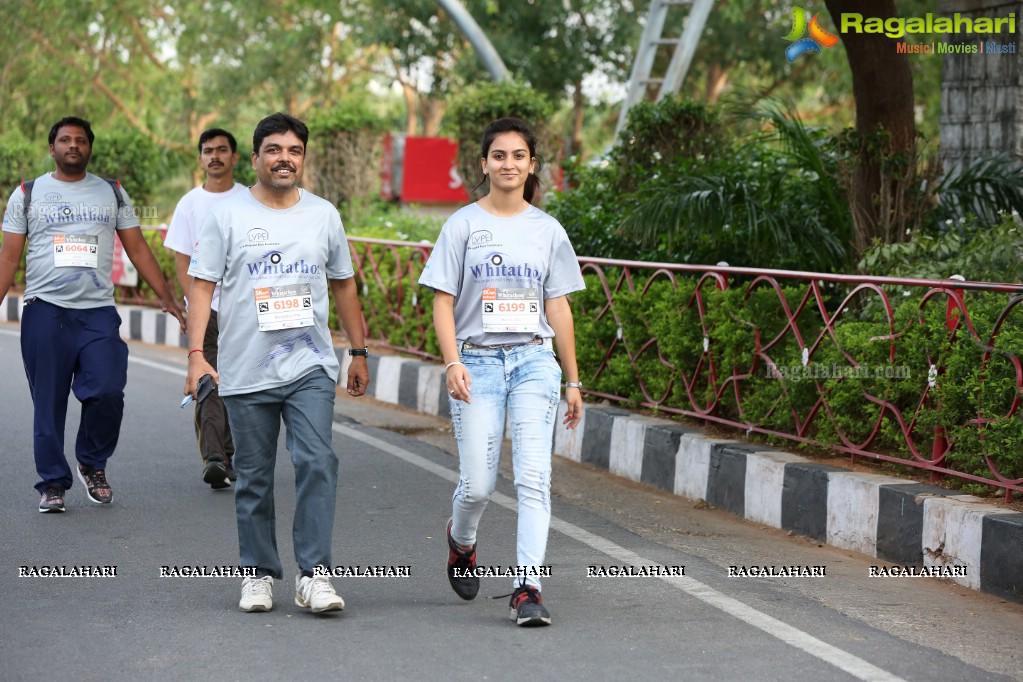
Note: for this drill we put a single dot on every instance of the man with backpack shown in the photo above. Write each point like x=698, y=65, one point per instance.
x=70, y=329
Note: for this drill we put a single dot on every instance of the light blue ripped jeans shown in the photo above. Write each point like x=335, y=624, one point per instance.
x=520, y=385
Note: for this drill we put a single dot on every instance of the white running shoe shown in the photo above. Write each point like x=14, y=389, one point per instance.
x=317, y=593
x=257, y=594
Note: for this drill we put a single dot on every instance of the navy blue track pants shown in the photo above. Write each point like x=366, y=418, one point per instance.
x=68, y=350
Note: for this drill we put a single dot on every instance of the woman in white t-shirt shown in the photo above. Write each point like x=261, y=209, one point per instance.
x=502, y=270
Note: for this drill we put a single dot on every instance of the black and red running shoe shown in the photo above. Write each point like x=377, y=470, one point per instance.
x=461, y=565
x=527, y=607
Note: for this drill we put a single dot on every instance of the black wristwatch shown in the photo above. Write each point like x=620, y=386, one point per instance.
x=364, y=351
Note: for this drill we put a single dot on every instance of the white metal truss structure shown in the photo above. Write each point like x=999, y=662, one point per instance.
x=682, y=46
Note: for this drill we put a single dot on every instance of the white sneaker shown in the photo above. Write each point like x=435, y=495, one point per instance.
x=317, y=593
x=257, y=594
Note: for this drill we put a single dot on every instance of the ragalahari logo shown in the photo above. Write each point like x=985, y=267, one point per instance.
x=818, y=36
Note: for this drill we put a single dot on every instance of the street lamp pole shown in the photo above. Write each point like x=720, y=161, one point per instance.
x=484, y=48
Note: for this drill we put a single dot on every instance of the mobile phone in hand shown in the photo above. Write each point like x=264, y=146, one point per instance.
x=205, y=386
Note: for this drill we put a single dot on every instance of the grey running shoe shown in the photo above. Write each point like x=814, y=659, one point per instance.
x=52, y=500
x=95, y=481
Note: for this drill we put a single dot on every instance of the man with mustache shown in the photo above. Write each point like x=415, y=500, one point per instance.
x=218, y=152
x=276, y=250
x=70, y=329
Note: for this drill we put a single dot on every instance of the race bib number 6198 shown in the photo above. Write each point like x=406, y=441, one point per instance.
x=284, y=307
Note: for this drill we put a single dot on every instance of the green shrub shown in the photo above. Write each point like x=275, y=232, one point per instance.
x=345, y=152
x=657, y=136
x=382, y=220
x=136, y=161
x=19, y=160
x=971, y=387
x=681, y=187
x=395, y=307
x=975, y=250
x=478, y=105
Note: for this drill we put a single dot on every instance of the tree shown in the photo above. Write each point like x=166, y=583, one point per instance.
x=550, y=46
x=414, y=44
x=885, y=146
x=555, y=46
x=170, y=70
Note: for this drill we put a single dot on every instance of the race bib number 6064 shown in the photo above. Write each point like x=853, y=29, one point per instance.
x=75, y=251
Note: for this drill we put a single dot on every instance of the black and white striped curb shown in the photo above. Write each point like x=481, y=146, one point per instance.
x=147, y=325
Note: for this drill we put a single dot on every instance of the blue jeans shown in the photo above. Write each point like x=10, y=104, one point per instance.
x=520, y=385
x=307, y=408
x=69, y=350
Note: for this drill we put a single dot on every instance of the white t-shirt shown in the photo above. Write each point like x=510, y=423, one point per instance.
x=500, y=271
x=183, y=231
x=273, y=266
x=70, y=256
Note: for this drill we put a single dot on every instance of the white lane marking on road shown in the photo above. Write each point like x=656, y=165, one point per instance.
x=843, y=660
x=181, y=372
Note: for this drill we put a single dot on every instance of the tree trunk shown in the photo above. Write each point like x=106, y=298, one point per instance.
x=411, y=122
x=717, y=78
x=578, y=109
x=433, y=114
x=883, y=88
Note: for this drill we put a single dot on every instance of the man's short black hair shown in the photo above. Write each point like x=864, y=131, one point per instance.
x=72, y=121
x=279, y=123
x=217, y=132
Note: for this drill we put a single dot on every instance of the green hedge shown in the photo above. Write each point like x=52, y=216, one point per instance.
x=745, y=330
x=754, y=373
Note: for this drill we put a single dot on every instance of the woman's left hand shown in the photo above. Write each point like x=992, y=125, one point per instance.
x=459, y=382
x=574, y=413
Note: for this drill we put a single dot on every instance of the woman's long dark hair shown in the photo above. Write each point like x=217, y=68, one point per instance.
x=514, y=125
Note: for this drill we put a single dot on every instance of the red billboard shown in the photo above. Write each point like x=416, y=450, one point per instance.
x=429, y=172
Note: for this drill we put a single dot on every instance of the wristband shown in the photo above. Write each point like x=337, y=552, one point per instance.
x=573, y=384
x=196, y=350
x=456, y=362
x=364, y=352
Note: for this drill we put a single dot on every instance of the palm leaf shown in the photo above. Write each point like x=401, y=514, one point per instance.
x=990, y=186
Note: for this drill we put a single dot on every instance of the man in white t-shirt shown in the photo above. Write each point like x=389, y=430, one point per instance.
x=277, y=250
x=218, y=153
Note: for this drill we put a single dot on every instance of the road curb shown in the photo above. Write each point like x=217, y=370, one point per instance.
x=899, y=522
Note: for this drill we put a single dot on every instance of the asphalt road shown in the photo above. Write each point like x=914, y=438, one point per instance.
x=394, y=501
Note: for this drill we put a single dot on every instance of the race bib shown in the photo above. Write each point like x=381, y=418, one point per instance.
x=284, y=307
x=511, y=310
x=75, y=251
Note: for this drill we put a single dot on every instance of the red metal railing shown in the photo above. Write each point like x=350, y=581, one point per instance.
x=809, y=307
